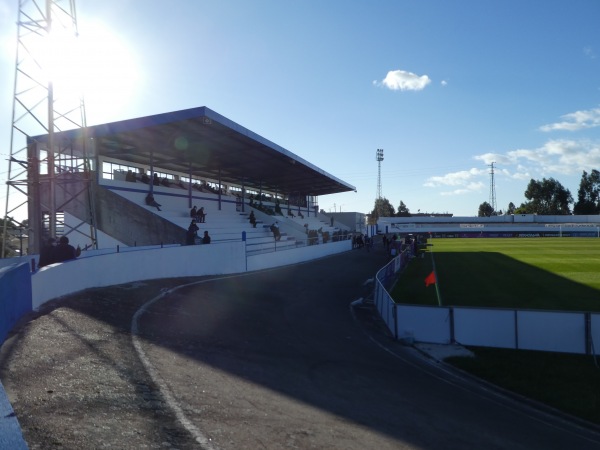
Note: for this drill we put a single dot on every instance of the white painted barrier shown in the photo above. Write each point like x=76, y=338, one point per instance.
x=61, y=279
x=424, y=324
x=485, y=327
x=550, y=331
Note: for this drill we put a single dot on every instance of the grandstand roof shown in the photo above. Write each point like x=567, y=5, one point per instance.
x=210, y=146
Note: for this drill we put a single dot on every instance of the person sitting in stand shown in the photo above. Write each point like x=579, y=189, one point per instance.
x=206, y=238
x=275, y=230
x=252, y=219
x=290, y=213
x=194, y=213
x=151, y=202
x=201, y=215
x=130, y=176
x=192, y=233
x=165, y=182
x=156, y=180
x=144, y=178
x=64, y=251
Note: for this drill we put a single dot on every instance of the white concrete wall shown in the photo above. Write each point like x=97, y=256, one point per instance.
x=61, y=279
x=284, y=257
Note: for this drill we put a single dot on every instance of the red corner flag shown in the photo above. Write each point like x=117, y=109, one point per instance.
x=430, y=279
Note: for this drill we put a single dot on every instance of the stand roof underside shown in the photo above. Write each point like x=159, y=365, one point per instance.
x=205, y=144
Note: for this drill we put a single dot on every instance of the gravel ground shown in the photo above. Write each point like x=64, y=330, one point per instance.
x=75, y=380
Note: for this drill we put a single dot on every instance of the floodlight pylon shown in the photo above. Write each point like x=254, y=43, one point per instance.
x=379, y=158
x=492, y=188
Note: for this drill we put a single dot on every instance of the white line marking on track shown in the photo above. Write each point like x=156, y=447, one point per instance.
x=163, y=387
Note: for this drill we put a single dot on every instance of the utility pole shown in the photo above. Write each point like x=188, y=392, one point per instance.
x=44, y=177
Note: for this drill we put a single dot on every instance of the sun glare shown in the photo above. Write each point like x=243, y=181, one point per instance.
x=98, y=65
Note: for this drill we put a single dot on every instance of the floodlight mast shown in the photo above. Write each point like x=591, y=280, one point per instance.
x=492, y=189
x=48, y=174
x=379, y=158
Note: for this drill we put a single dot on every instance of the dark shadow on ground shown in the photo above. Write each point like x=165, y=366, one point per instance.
x=496, y=280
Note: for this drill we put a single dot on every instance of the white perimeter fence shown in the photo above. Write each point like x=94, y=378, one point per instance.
x=551, y=331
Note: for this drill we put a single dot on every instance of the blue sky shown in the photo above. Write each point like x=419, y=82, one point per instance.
x=445, y=88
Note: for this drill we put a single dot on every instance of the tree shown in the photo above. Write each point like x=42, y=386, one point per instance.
x=588, y=195
x=485, y=210
x=525, y=208
x=403, y=211
x=547, y=197
x=382, y=208
x=11, y=244
x=511, y=208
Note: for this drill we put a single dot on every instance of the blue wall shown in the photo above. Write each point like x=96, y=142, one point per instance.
x=15, y=296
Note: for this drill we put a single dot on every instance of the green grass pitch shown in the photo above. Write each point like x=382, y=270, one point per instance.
x=537, y=273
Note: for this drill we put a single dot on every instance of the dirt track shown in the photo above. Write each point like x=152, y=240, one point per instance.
x=75, y=380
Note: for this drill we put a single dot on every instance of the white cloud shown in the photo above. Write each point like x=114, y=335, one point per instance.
x=470, y=187
x=462, y=179
x=575, y=121
x=560, y=156
x=497, y=158
x=520, y=173
x=555, y=158
x=589, y=52
x=444, y=83
x=400, y=80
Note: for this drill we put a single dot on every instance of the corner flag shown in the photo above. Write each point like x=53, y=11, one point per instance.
x=430, y=279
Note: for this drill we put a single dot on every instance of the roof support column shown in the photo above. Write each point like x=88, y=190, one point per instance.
x=219, y=189
x=243, y=196
x=151, y=183
x=190, y=187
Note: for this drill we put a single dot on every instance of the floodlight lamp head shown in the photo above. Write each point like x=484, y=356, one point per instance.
x=379, y=154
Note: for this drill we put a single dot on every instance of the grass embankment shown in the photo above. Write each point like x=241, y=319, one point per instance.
x=552, y=274
x=569, y=383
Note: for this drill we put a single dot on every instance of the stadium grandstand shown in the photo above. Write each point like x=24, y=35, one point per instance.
x=187, y=158
x=518, y=225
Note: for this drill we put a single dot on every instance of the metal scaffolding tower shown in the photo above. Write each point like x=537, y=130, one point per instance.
x=43, y=178
x=492, y=189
